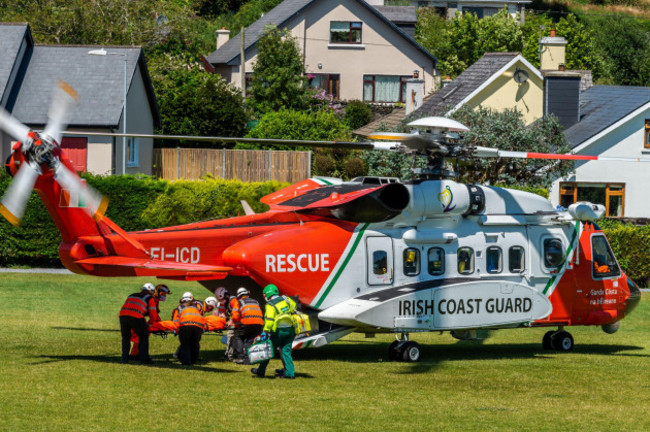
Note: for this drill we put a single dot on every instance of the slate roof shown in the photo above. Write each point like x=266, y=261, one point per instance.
x=11, y=37
x=603, y=106
x=465, y=84
x=99, y=80
x=278, y=16
x=399, y=14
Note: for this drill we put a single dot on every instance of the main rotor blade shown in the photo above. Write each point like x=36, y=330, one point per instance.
x=492, y=152
x=296, y=143
x=13, y=203
x=64, y=98
x=88, y=198
x=13, y=127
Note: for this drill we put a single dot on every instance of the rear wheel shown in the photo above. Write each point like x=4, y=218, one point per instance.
x=394, y=354
x=411, y=352
x=546, y=341
x=563, y=341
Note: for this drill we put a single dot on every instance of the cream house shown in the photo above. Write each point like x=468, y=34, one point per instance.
x=349, y=48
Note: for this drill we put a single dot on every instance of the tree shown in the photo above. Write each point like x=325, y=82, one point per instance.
x=278, y=73
x=506, y=130
x=197, y=103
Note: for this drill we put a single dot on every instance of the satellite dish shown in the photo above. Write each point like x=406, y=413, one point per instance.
x=520, y=76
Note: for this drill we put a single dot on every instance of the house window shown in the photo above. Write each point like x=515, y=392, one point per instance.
x=385, y=88
x=345, y=32
x=646, y=135
x=611, y=195
x=132, y=151
x=411, y=262
x=331, y=83
x=249, y=83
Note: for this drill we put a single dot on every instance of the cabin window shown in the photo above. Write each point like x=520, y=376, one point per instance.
x=465, y=260
x=604, y=263
x=611, y=195
x=411, y=262
x=516, y=259
x=553, y=253
x=345, y=32
x=380, y=262
x=493, y=260
x=646, y=135
x=436, y=261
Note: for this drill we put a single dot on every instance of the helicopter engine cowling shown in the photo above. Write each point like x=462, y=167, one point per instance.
x=445, y=198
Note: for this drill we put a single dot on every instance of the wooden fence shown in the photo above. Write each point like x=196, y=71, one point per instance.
x=245, y=165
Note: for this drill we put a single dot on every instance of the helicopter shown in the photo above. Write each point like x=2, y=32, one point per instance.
x=370, y=255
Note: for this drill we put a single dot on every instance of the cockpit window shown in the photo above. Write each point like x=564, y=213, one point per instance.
x=604, y=264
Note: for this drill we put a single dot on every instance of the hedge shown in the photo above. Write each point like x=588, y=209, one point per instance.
x=135, y=203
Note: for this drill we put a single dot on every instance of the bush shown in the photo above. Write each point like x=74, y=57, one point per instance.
x=135, y=203
x=629, y=244
x=357, y=114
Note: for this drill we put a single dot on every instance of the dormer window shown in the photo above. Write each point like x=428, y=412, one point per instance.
x=345, y=32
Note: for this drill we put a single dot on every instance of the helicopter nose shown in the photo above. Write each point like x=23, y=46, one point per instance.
x=635, y=296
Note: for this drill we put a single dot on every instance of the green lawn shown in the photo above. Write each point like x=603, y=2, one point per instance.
x=60, y=370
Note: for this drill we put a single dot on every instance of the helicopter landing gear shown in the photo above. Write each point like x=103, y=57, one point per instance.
x=404, y=350
x=559, y=340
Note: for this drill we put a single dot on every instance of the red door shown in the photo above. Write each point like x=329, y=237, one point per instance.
x=76, y=149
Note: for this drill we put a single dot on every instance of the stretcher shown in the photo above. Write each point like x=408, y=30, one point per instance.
x=163, y=328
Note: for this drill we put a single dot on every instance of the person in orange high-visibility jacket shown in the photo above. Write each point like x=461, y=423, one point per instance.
x=191, y=326
x=248, y=320
x=160, y=294
x=136, y=307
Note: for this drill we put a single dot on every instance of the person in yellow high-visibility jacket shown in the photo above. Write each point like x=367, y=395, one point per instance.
x=278, y=325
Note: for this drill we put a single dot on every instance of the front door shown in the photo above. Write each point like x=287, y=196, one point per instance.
x=380, y=260
x=76, y=149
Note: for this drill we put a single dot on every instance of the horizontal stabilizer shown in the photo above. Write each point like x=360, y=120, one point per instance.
x=152, y=264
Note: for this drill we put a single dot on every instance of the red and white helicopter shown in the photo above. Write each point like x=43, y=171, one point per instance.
x=370, y=255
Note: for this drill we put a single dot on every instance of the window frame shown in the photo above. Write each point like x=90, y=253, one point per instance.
x=472, y=262
x=350, y=33
x=333, y=83
x=523, y=259
x=373, y=81
x=570, y=190
x=499, y=268
x=417, y=261
x=442, y=260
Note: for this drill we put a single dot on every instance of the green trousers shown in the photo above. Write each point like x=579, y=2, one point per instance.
x=282, y=340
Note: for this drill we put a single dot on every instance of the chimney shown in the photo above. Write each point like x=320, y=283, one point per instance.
x=552, y=52
x=446, y=81
x=414, y=93
x=223, y=36
x=562, y=96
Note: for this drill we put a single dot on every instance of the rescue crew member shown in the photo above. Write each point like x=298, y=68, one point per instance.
x=135, y=308
x=160, y=294
x=278, y=325
x=248, y=320
x=191, y=325
x=226, y=303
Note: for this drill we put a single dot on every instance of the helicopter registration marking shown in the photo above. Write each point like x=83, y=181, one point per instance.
x=289, y=263
x=179, y=254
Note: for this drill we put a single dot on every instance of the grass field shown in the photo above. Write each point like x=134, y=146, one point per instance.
x=60, y=371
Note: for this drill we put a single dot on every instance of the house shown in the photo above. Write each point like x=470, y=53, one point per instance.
x=30, y=72
x=609, y=121
x=496, y=80
x=349, y=48
x=481, y=8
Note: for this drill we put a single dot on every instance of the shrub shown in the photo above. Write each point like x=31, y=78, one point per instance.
x=357, y=114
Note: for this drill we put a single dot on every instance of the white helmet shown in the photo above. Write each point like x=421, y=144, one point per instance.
x=242, y=291
x=187, y=297
x=148, y=287
x=221, y=293
x=211, y=301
